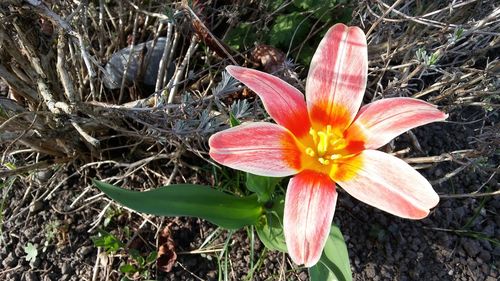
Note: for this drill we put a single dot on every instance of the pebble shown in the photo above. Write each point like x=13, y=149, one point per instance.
x=472, y=247
x=30, y=276
x=496, y=251
x=44, y=175
x=212, y=275
x=10, y=261
x=66, y=269
x=489, y=230
x=36, y=206
x=370, y=271
x=14, y=276
x=485, y=255
x=85, y=250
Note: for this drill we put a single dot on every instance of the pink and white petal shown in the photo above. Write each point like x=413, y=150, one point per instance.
x=388, y=183
x=284, y=103
x=379, y=122
x=259, y=148
x=337, y=77
x=309, y=207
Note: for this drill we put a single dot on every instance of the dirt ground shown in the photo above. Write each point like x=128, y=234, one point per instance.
x=52, y=215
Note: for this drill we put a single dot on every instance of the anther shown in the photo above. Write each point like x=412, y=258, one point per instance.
x=310, y=152
x=335, y=156
x=323, y=161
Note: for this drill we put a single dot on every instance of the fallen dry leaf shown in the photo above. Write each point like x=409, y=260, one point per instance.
x=166, y=251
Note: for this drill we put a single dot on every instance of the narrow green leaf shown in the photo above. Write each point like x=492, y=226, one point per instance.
x=189, y=200
x=262, y=186
x=334, y=262
x=271, y=231
x=233, y=121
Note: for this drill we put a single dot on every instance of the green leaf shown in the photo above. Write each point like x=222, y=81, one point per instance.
x=334, y=262
x=31, y=253
x=242, y=35
x=314, y=4
x=127, y=268
x=151, y=257
x=190, y=200
x=272, y=6
x=233, y=121
x=134, y=254
x=262, y=186
x=271, y=231
x=108, y=241
x=286, y=27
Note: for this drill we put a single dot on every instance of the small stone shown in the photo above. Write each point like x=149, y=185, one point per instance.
x=460, y=212
x=485, y=255
x=489, y=278
x=303, y=276
x=472, y=247
x=438, y=172
x=489, y=230
x=486, y=245
x=212, y=275
x=10, y=261
x=84, y=251
x=36, y=206
x=485, y=269
x=44, y=175
x=30, y=276
x=370, y=271
x=496, y=251
x=14, y=276
x=66, y=269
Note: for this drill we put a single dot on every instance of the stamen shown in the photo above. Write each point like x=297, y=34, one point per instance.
x=323, y=161
x=314, y=135
x=323, y=143
x=310, y=152
x=335, y=156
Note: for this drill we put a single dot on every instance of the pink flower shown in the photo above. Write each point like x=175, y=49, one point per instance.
x=328, y=140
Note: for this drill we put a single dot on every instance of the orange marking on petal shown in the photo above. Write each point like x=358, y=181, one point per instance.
x=320, y=115
x=294, y=160
x=346, y=168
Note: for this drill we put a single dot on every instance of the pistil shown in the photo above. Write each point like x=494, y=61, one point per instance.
x=325, y=141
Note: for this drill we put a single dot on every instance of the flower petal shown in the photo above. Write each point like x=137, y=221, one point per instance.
x=379, y=122
x=309, y=207
x=337, y=77
x=388, y=183
x=283, y=102
x=260, y=148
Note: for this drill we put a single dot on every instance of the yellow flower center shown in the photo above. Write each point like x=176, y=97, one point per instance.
x=326, y=146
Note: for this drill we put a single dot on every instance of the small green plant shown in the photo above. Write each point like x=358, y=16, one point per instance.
x=51, y=230
x=31, y=253
x=110, y=214
x=108, y=241
x=429, y=60
x=457, y=35
x=139, y=266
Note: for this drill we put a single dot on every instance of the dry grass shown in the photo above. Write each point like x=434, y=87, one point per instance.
x=56, y=112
